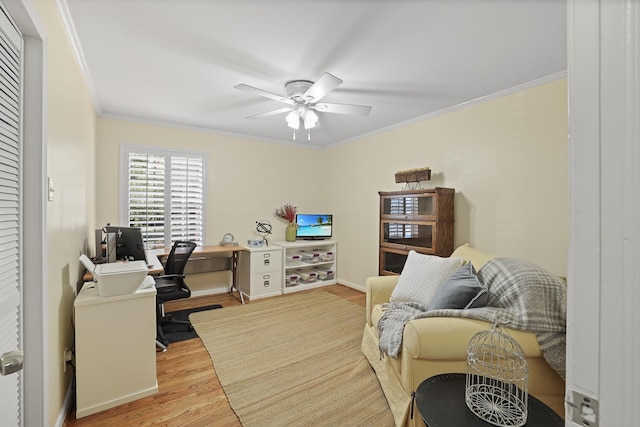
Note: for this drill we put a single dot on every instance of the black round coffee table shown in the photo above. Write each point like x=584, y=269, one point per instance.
x=440, y=401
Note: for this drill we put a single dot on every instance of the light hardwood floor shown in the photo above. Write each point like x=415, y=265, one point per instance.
x=189, y=393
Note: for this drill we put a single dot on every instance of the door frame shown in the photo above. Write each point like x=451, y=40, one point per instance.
x=35, y=310
x=604, y=166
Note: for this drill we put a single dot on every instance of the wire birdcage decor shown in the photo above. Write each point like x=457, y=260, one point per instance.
x=497, y=378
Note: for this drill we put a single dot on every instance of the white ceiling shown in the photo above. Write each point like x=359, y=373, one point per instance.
x=177, y=61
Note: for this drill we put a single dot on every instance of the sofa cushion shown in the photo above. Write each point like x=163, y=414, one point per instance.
x=421, y=276
x=461, y=290
x=477, y=258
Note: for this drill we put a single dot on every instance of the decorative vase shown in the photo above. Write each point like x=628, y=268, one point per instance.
x=290, y=233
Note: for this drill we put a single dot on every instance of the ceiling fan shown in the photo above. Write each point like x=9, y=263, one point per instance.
x=303, y=99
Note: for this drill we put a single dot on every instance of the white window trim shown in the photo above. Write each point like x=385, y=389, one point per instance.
x=125, y=149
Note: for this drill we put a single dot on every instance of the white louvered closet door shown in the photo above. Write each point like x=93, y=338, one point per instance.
x=10, y=215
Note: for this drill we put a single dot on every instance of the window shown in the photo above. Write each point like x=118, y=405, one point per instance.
x=162, y=192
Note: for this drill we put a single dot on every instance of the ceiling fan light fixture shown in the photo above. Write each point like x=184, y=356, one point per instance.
x=303, y=98
x=310, y=119
x=293, y=119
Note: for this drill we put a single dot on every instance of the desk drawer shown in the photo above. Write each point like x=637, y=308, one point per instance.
x=207, y=263
x=265, y=283
x=266, y=261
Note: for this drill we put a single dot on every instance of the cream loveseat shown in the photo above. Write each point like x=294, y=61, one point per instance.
x=436, y=345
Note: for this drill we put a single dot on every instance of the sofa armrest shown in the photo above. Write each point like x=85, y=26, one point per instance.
x=447, y=338
x=379, y=289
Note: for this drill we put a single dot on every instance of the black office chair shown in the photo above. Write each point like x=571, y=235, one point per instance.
x=171, y=286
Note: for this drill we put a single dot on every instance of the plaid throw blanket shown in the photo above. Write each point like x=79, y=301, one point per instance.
x=522, y=296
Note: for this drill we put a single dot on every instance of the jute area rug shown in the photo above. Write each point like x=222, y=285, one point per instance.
x=294, y=360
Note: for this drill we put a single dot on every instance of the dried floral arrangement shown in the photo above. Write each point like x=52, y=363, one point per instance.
x=287, y=212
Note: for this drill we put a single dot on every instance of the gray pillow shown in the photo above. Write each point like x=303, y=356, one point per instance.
x=461, y=290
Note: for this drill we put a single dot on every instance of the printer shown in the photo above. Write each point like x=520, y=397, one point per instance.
x=118, y=278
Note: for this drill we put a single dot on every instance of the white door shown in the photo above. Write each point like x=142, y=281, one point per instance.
x=10, y=222
x=603, y=338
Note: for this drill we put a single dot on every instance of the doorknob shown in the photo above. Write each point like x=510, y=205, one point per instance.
x=11, y=362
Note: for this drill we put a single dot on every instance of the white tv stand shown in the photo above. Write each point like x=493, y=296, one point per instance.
x=324, y=268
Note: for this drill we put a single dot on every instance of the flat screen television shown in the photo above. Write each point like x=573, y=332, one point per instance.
x=314, y=226
x=129, y=243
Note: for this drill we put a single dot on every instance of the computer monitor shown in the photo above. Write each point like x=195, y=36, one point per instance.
x=129, y=244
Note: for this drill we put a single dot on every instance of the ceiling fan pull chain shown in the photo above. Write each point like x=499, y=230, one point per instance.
x=309, y=135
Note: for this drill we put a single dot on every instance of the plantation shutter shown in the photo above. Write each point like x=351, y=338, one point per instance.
x=187, y=179
x=10, y=205
x=165, y=195
x=147, y=197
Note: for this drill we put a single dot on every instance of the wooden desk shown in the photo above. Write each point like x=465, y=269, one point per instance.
x=203, y=251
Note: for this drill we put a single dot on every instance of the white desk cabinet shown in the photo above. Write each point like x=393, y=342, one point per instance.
x=115, y=349
x=260, y=272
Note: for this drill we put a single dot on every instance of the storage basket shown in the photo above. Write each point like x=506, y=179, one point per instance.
x=291, y=280
x=308, y=276
x=293, y=259
x=310, y=257
x=326, y=256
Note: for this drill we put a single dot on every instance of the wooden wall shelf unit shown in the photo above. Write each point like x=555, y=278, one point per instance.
x=419, y=220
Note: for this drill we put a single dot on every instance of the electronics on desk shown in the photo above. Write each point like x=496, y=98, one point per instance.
x=110, y=246
x=100, y=252
x=129, y=245
x=118, y=278
x=314, y=226
x=105, y=247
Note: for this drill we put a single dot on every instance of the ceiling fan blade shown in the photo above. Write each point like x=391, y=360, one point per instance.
x=264, y=93
x=325, y=84
x=360, y=110
x=270, y=113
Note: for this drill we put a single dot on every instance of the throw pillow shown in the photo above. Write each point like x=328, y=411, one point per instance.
x=461, y=290
x=421, y=276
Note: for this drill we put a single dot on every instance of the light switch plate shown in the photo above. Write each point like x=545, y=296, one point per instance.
x=50, y=189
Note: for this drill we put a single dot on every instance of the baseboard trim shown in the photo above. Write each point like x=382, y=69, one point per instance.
x=352, y=285
x=67, y=405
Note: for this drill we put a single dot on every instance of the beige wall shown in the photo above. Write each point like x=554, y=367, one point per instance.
x=506, y=158
x=70, y=141
x=246, y=180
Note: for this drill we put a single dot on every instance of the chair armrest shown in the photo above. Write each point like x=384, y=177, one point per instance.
x=379, y=289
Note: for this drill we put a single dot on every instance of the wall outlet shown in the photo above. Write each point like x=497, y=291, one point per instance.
x=67, y=356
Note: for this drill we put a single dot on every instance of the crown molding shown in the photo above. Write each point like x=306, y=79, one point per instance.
x=76, y=48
